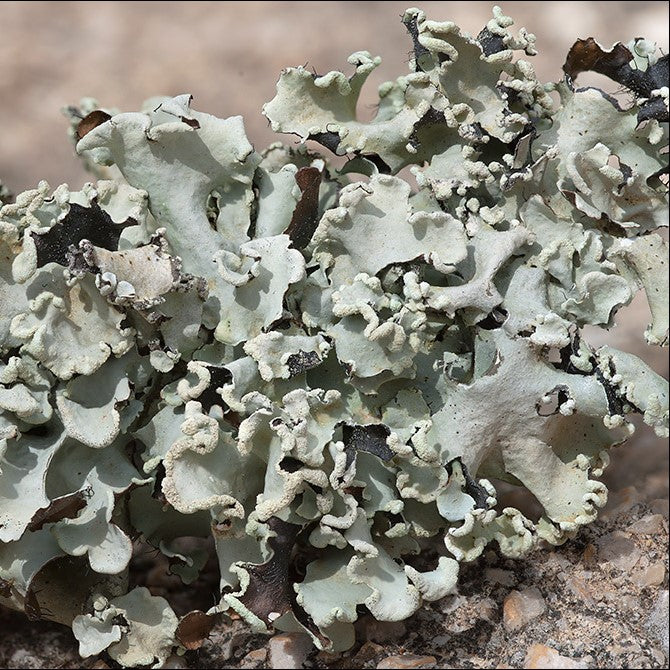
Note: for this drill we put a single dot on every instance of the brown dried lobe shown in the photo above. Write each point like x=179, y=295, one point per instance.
x=587, y=55
x=65, y=507
x=93, y=120
x=194, y=629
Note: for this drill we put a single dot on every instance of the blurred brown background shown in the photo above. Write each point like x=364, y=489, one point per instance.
x=229, y=55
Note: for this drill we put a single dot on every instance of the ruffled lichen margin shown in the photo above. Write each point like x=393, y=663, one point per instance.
x=326, y=369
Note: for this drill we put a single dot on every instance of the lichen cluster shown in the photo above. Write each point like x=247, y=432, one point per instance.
x=327, y=370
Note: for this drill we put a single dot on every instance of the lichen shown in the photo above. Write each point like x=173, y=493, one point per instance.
x=327, y=370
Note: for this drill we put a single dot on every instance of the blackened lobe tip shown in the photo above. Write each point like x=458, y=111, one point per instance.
x=420, y=51
x=653, y=109
x=210, y=396
x=370, y=438
x=585, y=55
x=302, y=361
x=329, y=140
x=474, y=489
x=81, y=223
x=660, y=71
x=490, y=43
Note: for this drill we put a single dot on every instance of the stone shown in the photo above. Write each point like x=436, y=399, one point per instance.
x=255, y=658
x=22, y=658
x=521, y=607
x=542, y=656
x=628, y=648
x=461, y=613
x=498, y=576
x=660, y=506
x=289, y=650
x=227, y=639
x=367, y=652
x=619, y=550
x=175, y=661
x=648, y=525
x=556, y=562
x=329, y=657
x=623, y=602
x=620, y=502
x=657, y=623
x=578, y=584
x=487, y=609
x=653, y=575
x=589, y=554
x=451, y=603
x=406, y=661
x=659, y=657
x=372, y=630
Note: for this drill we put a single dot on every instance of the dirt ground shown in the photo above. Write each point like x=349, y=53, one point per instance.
x=229, y=55
x=599, y=601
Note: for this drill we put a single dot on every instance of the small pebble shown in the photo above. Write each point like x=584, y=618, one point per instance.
x=651, y=524
x=367, y=652
x=406, y=661
x=22, y=658
x=578, y=584
x=289, y=650
x=619, y=550
x=620, y=502
x=498, y=576
x=659, y=657
x=652, y=575
x=521, y=607
x=541, y=656
x=328, y=657
x=590, y=553
x=660, y=506
x=99, y=665
x=657, y=623
x=487, y=609
x=380, y=631
x=255, y=658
